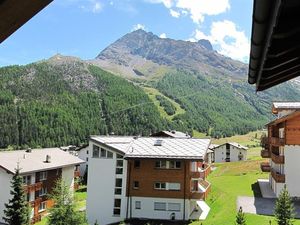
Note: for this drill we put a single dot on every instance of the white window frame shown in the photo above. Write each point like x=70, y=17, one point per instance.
x=160, y=186
x=176, y=186
x=43, y=191
x=43, y=175
x=138, y=205
x=160, y=206
x=44, y=206
x=96, y=148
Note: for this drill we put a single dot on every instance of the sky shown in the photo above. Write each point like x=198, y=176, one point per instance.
x=83, y=28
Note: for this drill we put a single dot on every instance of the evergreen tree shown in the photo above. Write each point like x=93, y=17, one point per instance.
x=17, y=210
x=240, y=217
x=63, y=212
x=284, y=208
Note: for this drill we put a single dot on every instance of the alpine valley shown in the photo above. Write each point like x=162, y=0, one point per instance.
x=138, y=85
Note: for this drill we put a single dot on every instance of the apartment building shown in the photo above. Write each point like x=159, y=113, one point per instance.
x=40, y=169
x=282, y=148
x=147, y=177
x=229, y=152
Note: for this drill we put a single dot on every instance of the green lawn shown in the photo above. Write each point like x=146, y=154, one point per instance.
x=229, y=181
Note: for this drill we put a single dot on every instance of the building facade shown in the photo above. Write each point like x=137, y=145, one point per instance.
x=230, y=152
x=282, y=148
x=40, y=170
x=139, y=178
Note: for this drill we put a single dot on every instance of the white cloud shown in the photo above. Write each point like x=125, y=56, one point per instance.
x=97, y=6
x=167, y=3
x=163, y=35
x=174, y=13
x=196, y=9
x=138, y=26
x=227, y=39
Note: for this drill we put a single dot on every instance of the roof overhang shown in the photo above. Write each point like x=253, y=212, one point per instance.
x=275, y=43
x=15, y=13
x=284, y=118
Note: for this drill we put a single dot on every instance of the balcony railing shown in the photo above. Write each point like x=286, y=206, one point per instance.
x=277, y=141
x=202, y=192
x=279, y=159
x=265, y=153
x=265, y=167
x=279, y=178
x=33, y=187
x=202, y=172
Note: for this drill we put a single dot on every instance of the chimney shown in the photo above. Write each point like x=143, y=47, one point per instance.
x=48, y=159
x=28, y=150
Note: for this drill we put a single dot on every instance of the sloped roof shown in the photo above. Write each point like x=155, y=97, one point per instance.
x=171, y=133
x=284, y=118
x=235, y=144
x=212, y=146
x=35, y=160
x=149, y=147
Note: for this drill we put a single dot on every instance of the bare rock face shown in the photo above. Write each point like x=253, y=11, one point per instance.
x=143, y=51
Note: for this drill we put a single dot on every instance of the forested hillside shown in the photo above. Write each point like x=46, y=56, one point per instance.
x=59, y=103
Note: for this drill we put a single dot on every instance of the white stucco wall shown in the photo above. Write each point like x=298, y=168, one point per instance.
x=82, y=154
x=220, y=154
x=292, y=168
x=68, y=176
x=147, y=208
x=5, y=179
x=101, y=186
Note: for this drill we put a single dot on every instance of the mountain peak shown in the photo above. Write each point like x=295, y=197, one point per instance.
x=206, y=44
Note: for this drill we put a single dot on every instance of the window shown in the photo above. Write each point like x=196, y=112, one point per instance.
x=160, y=206
x=42, y=206
x=119, y=163
x=119, y=156
x=43, y=191
x=137, y=163
x=160, y=164
x=27, y=180
x=96, y=151
x=87, y=159
x=160, y=186
x=136, y=185
x=87, y=152
x=137, y=204
x=109, y=155
x=174, y=207
x=174, y=186
x=117, y=206
x=174, y=164
x=103, y=153
x=118, y=191
x=118, y=182
x=43, y=175
x=119, y=170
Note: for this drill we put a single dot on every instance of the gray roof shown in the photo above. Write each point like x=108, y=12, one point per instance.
x=212, y=146
x=144, y=147
x=235, y=144
x=286, y=105
x=35, y=160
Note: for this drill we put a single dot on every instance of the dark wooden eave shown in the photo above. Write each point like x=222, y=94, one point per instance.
x=275, y=43
x=15, y=13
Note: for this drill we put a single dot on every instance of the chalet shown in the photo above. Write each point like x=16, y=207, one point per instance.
x=282, y=148
x=171, y=133
x=230, y=152
x=40, y=169
x=147, y=177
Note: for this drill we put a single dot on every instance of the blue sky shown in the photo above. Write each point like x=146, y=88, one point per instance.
x=83, y=28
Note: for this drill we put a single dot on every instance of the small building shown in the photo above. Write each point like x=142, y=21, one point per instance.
x=282, y=148
x=40, y=169
x=83, y=154
x=230, y=152
x=147, y=177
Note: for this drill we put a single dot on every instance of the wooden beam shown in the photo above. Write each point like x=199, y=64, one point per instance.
x=15, y=13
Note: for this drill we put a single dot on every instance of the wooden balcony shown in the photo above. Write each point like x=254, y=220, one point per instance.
x=265, y=153
x=197, y=195
x=277, y=141
x=279, y=159
x=265, y=167
x=33, y=187
x=202, y=172
x=279, y=178
x=76, y=173
x=202, y=190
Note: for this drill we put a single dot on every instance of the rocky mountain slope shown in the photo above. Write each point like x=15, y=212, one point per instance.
x=161, y=84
